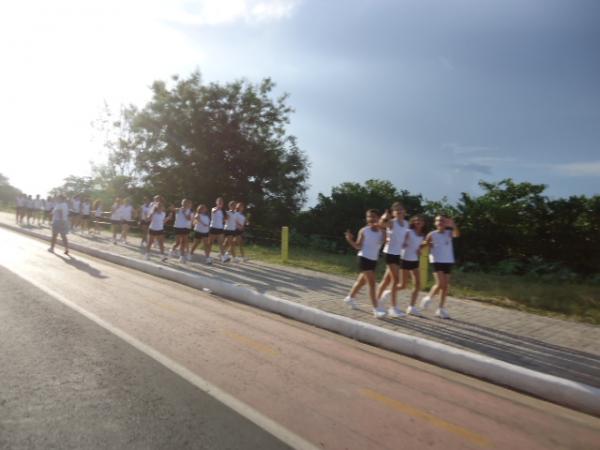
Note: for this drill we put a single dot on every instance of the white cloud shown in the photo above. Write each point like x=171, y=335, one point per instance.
x=579, y=169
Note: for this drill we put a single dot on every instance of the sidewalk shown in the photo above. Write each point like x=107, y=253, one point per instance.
x=558, y=347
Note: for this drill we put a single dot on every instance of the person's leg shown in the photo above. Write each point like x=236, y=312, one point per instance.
x=221, y=240
x=444, y=290
x=385, y=281
x=149, y=243
x=184, y=245
x=437, y=286
x=240, y=242
x=161, y=243
x=53, y=240
x=369, y=276
x=194, y=245
x=208, y=248
x=416, y=278
x=65, y=242
x=394, y=274
x=358, y=284
x=206, y=243
x=124, y=231
x=114, y=231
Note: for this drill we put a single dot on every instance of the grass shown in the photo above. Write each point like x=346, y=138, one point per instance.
x=577, y=301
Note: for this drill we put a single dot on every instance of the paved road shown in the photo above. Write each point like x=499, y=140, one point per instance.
x=563, y=348
x=72, y=383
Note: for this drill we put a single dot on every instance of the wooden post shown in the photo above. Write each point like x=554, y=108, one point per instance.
x=424, y=266
x=285, y=243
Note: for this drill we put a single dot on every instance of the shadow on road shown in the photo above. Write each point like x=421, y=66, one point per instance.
x=81, y=265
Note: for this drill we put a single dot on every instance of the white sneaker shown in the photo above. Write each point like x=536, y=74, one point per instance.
x=442, y=313
x=182, y=259
x=171, y=253
x=395, y=312
x=146, y=256
x=225, y=258
x=209, y=260
x=385, y=297
x=425, y=302
x=379, y=313
x=114, y=241
x=239, y=259
x=164, y=258
x=188, y=257
x=413, y=311
x=350, y=302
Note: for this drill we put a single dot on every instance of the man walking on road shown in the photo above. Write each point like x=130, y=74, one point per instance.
x=60, y=223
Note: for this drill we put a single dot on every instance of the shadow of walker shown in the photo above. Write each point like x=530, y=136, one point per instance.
x=81, y=265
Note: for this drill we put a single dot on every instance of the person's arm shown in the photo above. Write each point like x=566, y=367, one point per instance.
x=451, y=225
x=428, y=241
x=385, y=221
x=356, y=244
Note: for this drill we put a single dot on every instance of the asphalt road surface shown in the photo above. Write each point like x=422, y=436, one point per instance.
x=93, y=355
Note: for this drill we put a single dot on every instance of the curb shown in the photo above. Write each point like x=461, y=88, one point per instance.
x=565, y=392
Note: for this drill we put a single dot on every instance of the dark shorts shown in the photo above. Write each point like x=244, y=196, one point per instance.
x=216, y=231
x=230, y=232
x=116, y=221
x=239, y=232
x=181, y=231
x=156, y=232
x=392, y=259
x=144, y=223
x=442, y=267
x=365, y=264
x=198, y=235
x=86, y=217
x=409, y=265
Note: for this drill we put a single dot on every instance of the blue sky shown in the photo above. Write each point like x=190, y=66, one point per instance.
x=432, y=95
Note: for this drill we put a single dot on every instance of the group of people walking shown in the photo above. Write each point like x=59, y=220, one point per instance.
x=215, y=227
x=402, y=243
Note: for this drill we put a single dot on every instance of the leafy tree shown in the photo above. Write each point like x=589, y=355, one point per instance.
x=8, y=192
x=201, y=141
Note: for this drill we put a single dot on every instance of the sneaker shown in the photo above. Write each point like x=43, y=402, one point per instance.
x=146, y=256
x=171, y=253
x=164, y=258
x=114, y=241
x=425, y=302
x=442, y=313
x=182, y=259
x=50, y=249
x=209, y=260
x=413, y=311
x=350, y=302
x=395, y=312
x=239, y=259
x=188, y=257
x=379, y=313
x=385, y=297
x=225, y=258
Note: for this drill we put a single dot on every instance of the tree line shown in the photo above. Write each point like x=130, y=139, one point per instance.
x=200, y=141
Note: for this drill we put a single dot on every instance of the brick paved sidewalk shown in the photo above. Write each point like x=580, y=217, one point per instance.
x=554, y=346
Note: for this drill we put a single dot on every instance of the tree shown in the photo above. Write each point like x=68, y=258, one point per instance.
x=8, y=193
x=344, y=208
x=202, y=141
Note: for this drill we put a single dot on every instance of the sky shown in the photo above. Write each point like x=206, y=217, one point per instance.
x=432, y=95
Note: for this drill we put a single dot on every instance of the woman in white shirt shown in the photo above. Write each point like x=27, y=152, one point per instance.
x=201, y=231
x=115, y=218
x=156, y=229
x=182, y=226
x=60, y=223
x=441, y=256
x=411, y=252
x=126, y=219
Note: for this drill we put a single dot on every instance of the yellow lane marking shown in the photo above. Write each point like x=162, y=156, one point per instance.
x=468, y=435
x=252, y=343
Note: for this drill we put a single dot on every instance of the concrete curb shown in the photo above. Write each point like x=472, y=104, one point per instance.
x=565, y=392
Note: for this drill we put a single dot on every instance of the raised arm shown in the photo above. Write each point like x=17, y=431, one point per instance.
x=356, y=244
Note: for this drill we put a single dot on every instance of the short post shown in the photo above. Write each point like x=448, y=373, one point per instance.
x=285, y=243
x=424, y=265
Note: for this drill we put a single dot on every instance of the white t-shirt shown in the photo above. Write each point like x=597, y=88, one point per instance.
x=442, y=250
x=395, y=237
x=75, y=206
x=157, y=222
x=203, y=224
x=116, y=212
x=37, y=203
x=98, y=211
x=231, y=223
x=240, y=220
x=410, y=252
x=60, y=212
x=181, y=218
x=216, y=220
x=146, y=211
x=126, y=212
x=49, y=205
x=85, y=208
x=372, y=242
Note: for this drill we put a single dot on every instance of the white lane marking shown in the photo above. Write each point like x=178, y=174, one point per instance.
x=277, y=430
